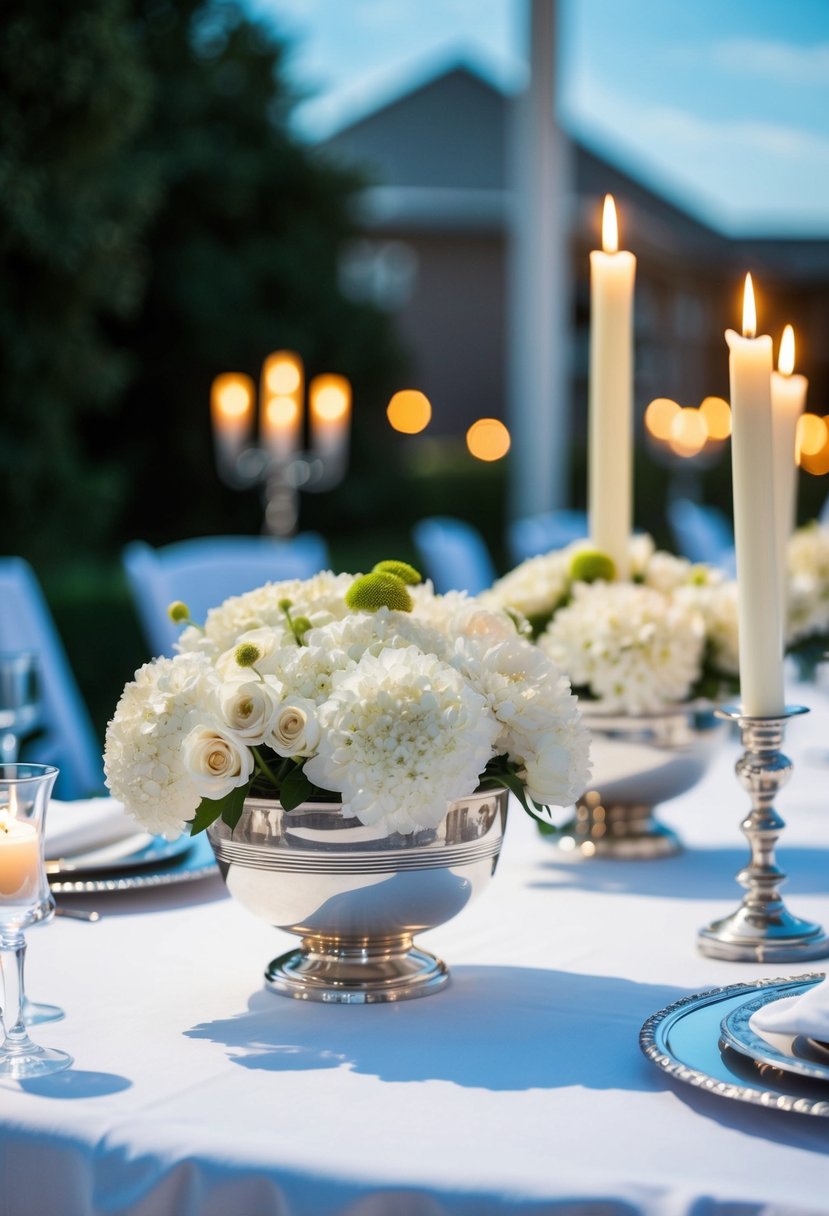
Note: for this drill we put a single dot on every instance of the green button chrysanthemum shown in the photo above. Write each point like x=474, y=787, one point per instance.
x=377, y=590
x=401, y=570
x=591, y=565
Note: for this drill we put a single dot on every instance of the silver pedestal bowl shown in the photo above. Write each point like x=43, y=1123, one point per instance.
x=355, y=896
x=639, y=761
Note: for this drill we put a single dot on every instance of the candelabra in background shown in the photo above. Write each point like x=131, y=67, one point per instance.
x=281, y=462
x=687, y=440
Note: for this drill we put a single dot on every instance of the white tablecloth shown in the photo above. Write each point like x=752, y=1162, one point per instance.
x=519, y=1088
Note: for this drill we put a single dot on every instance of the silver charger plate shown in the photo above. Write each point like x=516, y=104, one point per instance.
x=195, y=861
x=684, y=1039
x=792, y=1053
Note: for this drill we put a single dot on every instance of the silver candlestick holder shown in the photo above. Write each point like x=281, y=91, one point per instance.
x=762, y=929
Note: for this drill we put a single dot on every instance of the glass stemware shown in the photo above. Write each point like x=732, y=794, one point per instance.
x=19, y=700
x=25, y=900
x=19, y=716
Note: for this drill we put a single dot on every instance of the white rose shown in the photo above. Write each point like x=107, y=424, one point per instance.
x=249, y=709
x=215, y=762
x=297, y=731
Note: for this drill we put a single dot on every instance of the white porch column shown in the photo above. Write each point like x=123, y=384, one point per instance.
x=539, y=286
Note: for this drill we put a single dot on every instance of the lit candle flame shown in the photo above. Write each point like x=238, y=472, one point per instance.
x=785, y=359
x=749, y=310
x=610, y=226
x=8, y=813
x=231, y=398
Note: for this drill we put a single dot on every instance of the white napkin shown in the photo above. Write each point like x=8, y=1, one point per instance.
x=807, y=1014
x=90, y=823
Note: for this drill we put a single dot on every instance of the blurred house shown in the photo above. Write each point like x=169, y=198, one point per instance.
x=436, y=220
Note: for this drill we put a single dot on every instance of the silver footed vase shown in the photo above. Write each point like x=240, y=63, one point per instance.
x=355, y=895
x=639, y=761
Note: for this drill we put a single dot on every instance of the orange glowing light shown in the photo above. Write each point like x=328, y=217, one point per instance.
x=689, y=432
x=717, y=414
x=488, y=439
x=785, y=358
x=329, y=399
x=817, y=465
x=749, y=310
x=282, y=374
x=281, y=414
x=812, y=435
x=610, y=226
x=659, y=417
x=409, y=411
x=231, y=398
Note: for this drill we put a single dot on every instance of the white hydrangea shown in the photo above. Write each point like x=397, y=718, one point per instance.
x=320, y=598
x=536, y=586
x=397, y=712
x=537, y=713
x=808, y=583
x=715, y=598
x=402, y=735
x=634, y=649
x=306, y=671
x=144, y=757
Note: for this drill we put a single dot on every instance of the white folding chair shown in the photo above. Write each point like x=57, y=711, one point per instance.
x=206, y=570
x=454, y=554
x=66, y=736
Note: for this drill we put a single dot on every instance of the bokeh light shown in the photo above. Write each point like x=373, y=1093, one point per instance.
x=281, y=412
x=813, y=444
x=409, y=411
x=231, y=397
x=811, y=435
x=282, y=374
x=689, y=432
x=659, y=417
x=329, y=398
x=488, y=439
x=717, y=414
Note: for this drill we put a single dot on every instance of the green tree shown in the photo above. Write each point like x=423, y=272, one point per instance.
x=75, y=194
x=244, y=252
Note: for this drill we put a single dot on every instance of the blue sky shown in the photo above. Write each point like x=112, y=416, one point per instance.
x=723, y=104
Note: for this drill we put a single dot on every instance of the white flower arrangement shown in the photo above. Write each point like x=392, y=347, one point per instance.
x=371, y=691
x=666, y=636
x=808, y=588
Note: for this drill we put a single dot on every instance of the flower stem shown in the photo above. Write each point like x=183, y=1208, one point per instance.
x=265, y=768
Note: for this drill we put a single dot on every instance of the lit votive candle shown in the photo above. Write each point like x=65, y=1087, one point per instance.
x=19, y=862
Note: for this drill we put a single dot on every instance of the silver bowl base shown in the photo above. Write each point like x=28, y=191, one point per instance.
x=361, y=974
x=627, y=833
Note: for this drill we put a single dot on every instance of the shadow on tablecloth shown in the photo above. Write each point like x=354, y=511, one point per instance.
x=698, y=873
x=495, y=1028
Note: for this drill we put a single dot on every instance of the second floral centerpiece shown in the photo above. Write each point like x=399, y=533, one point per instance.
x=347, y=742
x=647, y=656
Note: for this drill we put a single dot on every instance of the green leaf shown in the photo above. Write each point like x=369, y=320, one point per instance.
x=207, y=812
x=499, y=772
x=295, y=789
x=210, y=809
x=234, y=804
